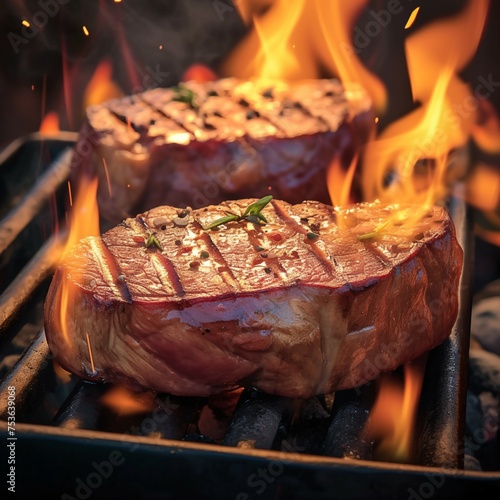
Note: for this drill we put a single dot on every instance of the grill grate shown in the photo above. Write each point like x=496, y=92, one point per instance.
x=72, y=445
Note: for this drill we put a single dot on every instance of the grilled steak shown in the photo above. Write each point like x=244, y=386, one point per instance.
x=317, y=299
x=204, y=143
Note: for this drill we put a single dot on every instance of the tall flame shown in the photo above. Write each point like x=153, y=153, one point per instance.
x=339, y=181
x=392, y=417
x=410, y=161
x=101, y=86
x=439, y=124
x=285, y=43
x=84, y=221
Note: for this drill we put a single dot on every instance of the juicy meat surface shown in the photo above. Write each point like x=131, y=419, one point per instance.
x=318, y=299
x=231, y=139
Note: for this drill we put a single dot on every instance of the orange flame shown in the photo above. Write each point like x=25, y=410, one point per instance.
x=199, y=73
x=285, y=43
x=303, y=39
x=101, y=87
x=50, y=124
x=84, y=221
x=339, y=181
x=486, y=130
x=439, y=124
x=483, y=187
x=392, y=418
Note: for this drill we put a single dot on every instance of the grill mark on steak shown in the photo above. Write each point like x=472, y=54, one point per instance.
x=313, y=249
x=252, y=113
x=227, y=113
x=277, y=121
x=162, y=265
x=272, y=262
x=378, y=253
x=166, y=272
x=224, y=270
x=299, y=105
x=159, y=150
x=162, y=112
x=133, y=112
x=110, y=269
x=318, y=101
x=303, y=338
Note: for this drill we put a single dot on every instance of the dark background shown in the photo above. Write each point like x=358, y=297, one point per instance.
x=129, y=33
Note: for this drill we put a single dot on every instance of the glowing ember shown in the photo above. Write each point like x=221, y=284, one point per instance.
x=50, y=124
x=70, y=194
x=126, y=402
x=199, y=73
x=26, y=23
x=392, y=418
x=91, y=356
x=85, y=30
x=412, y=18
x=101, y=87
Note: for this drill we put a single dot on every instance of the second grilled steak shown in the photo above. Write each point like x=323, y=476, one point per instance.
x=316, y=300
x=200, y=144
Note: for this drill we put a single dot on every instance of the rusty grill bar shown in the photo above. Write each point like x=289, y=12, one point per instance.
x=272, y=447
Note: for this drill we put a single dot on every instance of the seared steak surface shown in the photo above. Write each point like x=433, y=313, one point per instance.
x=318, y=299
x=205, y=143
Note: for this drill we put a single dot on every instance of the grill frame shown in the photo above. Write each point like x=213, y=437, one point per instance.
x=168, y=466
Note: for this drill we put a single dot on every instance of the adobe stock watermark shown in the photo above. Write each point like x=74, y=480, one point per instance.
x=48, y=10
x=223, y=7
x=262, y=478
x=152, y=79
x=87, y=484
x=379, y=20
x=436, y=480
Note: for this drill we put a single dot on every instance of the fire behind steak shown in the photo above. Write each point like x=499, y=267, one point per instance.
x=306, y=304
x=201, y=144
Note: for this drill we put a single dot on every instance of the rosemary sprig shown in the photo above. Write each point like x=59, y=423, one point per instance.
x=375, y=232
x=152, y=240
x=183, y=94
x=251, y=214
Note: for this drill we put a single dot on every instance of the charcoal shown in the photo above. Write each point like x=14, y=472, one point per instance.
x=485, y=323
x=346, y=437
x=484, y=372
x=255, y=421
x=474, y=412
